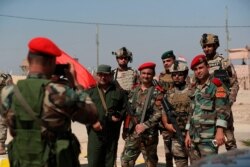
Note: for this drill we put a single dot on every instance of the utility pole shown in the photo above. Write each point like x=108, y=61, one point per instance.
x=97, y=45
x=227, y=34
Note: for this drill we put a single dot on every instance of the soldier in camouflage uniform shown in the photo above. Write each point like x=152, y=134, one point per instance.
x=206, y=123
x=39, y=112
x=219, y=66
x=166, y=81
x=165, y=78
x=179, y=99
x=124, y=75
x=143, y=136
x=5, y=79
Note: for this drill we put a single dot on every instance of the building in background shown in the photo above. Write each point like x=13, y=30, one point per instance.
x=242, y=69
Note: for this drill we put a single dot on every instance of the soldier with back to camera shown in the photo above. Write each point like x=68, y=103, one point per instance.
x=39, y=112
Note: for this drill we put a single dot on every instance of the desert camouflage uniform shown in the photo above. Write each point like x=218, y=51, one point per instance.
x=210, y=109
x=181, y=103
x=60, y=104
x=146, y=143
x=5, y=79
x=126, y=79
x=165, y=80
x=215, y=64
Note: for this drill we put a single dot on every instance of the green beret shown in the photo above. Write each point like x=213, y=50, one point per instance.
x=104, y=69
x=168, y=54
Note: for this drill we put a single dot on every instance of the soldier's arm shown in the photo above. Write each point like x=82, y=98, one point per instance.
x=222, y=107
x=76, y=104
x=234, y=84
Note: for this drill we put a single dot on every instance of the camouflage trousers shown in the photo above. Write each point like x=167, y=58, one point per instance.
x=200, y=150
x=167, y=147
x=3, y=130
x=174, y=150
x=135, y=145
x=229, y=133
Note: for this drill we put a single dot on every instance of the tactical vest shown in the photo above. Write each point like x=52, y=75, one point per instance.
x=28, y=131
x=180, y=101
x=126, y=79
x=166, y=81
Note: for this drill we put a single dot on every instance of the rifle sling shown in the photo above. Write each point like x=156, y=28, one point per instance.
x=103, y=100
x=145, y=106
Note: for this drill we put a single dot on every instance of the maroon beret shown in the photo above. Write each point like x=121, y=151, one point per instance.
x=147, y=65
x=44, y=46
x=198, y=60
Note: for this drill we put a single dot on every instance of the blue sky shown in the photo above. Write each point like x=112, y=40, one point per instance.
x=20, y=21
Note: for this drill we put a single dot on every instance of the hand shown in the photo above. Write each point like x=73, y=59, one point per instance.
x=219, y=137
x=97, y=126
x=139, y=128
x=188, y=141
x=170, y=127
x=115, y=119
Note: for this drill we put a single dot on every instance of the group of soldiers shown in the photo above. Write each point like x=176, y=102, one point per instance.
x=192, y=113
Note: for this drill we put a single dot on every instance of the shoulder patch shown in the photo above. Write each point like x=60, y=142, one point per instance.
x=221, y=92
x=217, y=82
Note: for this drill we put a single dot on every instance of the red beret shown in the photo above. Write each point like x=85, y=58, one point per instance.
x=198, y=60
x=147, y=65
x=44, y=46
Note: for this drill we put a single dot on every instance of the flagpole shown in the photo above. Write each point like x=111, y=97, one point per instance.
x=97, y=45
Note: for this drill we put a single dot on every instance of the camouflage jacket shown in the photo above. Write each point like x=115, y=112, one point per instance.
x=210, y=105
x=219, y=61
x=126, y=79
x=165, y=80
x=60, y=104
x=154, y=110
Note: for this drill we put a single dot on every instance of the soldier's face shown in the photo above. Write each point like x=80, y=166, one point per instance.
x=178, y=77
x=209, y=49
x=147, y=75
x=167, y=63
x=201, y=71
x=104, y=79
x=122, y=60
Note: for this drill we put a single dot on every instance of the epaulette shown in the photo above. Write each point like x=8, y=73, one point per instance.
x=217, y=82
x=159, y=88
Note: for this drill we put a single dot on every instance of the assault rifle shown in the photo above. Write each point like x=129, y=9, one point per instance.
x=130, y=120
x=171, y=114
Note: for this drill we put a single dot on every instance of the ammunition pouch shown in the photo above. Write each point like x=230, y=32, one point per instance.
x=28, y=149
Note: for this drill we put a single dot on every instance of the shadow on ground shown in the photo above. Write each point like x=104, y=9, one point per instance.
x=139, y=165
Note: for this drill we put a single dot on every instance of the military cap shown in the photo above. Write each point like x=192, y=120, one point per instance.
x=168, y=54
x=198, y=60
x=147, y=65
x=44, y=46
x=103, y=68
x=209, y=39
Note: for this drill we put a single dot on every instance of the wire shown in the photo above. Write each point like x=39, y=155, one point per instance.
x=121, y=25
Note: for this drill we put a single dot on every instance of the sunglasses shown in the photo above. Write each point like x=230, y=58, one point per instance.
x=177, y=73
x=121, y=58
